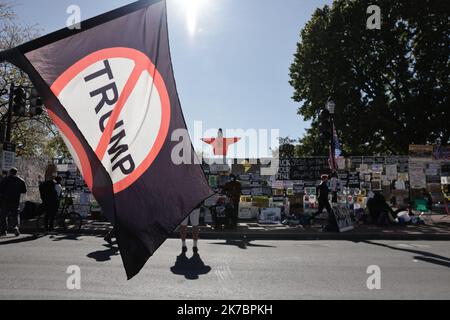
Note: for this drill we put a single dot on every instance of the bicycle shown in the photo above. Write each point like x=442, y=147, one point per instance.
x=66, y=217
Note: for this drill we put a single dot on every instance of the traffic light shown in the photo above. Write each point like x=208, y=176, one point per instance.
x=36, y=105
x=19, y=101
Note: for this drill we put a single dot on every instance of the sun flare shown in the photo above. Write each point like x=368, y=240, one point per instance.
x=193, y=8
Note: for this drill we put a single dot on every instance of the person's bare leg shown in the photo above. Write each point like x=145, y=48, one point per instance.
x=195, y=237
x=183, y=235
x=195, y=233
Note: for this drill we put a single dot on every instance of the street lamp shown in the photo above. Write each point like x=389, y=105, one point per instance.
x=331, y=106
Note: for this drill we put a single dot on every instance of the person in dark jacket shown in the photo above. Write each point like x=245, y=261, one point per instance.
x=379, y=210
x=324, y=203
x=11, y=188
x=233, y=190
x=50, y=199
x=322, y=195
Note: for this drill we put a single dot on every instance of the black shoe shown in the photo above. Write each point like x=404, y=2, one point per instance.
x=108, y=240
x=184, y=249
x=195, y=250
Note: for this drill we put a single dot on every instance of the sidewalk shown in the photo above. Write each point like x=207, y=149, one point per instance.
x=437, y=227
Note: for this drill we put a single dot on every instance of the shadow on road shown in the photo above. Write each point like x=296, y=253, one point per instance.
x=242, y=244
x=19, y=240
x=65, y=237
x=190, y=268
x=104, y=255
x=421, y=255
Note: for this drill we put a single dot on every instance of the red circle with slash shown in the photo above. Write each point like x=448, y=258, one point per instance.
x=142, y=64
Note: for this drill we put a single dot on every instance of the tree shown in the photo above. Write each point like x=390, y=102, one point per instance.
x=56, y=148
x=390, y=86
x=34, y=136
x=286, y=149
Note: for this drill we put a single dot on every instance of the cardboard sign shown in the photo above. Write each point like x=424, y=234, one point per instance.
x=417, y=178
x=376, y=185
x=218, y=168
x=441, y=153
x=391, y=171
x=380, y=160
x=343, y=218
x=369, y=160
x=355, y=161
x=283, y=170
x=420, y=151
x=278, y=185
x=298, y=188
x=392, y=160
x=8, y=160
x=377, y=168
x=308, y=169
x=270, y=216
x=257, y=191
x=353, y=180
x=8, y=156
x=340, y=162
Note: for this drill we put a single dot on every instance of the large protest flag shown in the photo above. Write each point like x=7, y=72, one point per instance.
x=109, y=88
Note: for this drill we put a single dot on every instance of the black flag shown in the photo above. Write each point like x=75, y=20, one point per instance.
x=109, y=88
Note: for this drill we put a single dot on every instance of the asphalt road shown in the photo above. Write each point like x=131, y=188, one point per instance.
x=36, y=269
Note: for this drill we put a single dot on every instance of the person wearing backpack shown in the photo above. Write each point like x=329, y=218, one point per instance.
x=49, y=197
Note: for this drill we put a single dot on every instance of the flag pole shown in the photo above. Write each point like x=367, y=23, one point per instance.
x=85, y=25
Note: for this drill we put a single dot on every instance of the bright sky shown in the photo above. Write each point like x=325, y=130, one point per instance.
x=231, y=57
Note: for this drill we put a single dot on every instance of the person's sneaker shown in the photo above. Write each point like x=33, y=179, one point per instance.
x=16, y=232
x=195, y=250
x=184, y=249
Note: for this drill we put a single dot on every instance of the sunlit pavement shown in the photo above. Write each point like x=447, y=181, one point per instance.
x=35, y=268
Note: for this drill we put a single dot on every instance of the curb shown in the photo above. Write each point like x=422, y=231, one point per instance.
x=347, y=236
x=289, y=235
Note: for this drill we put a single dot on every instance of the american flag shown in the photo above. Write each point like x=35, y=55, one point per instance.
x=334, y=150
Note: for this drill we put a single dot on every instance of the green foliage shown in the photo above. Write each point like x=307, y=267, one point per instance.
x=286, y=149
x=35, y=136
x=390, y=86
x=56, y=148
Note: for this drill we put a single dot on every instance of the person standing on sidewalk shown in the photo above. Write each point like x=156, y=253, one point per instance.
x=194, y=217
x=322, y=197
x=49, y=191
x=11, y=188
x=233, y=191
